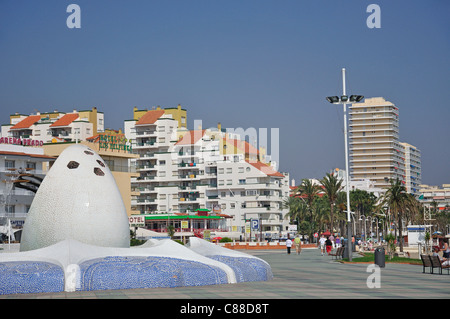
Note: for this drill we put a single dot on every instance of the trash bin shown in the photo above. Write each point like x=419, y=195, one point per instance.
x=380, y=257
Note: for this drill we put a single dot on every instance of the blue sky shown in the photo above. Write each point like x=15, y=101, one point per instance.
x=247, y=63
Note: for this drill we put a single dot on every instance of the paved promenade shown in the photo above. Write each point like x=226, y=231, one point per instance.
x=308, y=275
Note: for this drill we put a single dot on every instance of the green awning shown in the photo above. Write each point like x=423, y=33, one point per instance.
x=177, y=217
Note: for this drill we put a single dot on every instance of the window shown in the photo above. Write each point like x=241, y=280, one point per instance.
x=31, y=165
x=229, y=182
x=10, y=209
x=241, y=181
x=240, y=170
x=229, y=170
x=251, y=192
x=10, y=164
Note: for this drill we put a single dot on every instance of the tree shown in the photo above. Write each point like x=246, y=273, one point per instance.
x=331, y=185
x=397, y=201
x=297, y=208
x=362, y=203
x=308, y=191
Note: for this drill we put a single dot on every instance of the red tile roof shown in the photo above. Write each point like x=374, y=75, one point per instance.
x=266, y=169
x=150, y=117
x=191, y=137
x=27, y=122
x=65, y=120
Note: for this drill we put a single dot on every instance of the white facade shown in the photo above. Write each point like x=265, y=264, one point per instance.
x=15, y=202
x=430, y=195
x=56, y=126
x=373, y=142
x=361, y=184
x=375, y=150
x=413, y=171
x=182, y=171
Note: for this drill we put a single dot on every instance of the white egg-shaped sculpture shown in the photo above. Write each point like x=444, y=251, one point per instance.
x=78, y=199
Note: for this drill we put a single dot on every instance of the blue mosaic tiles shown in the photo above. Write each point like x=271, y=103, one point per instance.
x=246, y=269
x=21, y=277
x=147, y=272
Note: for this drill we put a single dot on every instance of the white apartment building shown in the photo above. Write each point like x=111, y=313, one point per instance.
x=435, y=195
x=367, y=185
x=375, y=150
x=413, y=170
x=182, y=171
x=15, y=198
x=55, y=126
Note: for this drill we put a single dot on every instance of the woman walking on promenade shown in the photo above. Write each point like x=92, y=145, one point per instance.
x=328, y=245
x=298, y=244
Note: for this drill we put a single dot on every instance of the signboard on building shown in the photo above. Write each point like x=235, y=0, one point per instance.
x=184, y=224
x=114, y=142
x=137, y=221
x=20, y=141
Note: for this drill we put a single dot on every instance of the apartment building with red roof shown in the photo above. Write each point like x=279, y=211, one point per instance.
x=183, y=171
x=54, y=127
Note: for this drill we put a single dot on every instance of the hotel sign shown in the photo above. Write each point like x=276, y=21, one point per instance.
x=20, y=141
x=137, y=221
x=114, y=142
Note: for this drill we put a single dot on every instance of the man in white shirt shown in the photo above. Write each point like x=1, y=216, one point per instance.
x=322, y=241
x=288, y=245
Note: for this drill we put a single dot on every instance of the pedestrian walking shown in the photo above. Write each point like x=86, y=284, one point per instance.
x=338, y=242
x=288, y=245
x=322, y=241
x=298, y=244
x=328, y=245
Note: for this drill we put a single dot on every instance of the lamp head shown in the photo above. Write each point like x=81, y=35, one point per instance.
x=333, y=99
x=356, y=98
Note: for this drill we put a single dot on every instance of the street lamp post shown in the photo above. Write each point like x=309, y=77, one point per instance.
x=344, y=101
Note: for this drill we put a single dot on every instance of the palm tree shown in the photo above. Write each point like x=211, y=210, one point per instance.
x=331, y=185
x=362, y=203
x=308, y=191
x=397, y=201
x=297, y=209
